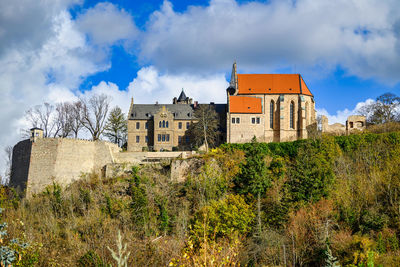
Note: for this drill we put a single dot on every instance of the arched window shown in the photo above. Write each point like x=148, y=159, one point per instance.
x=166, y=124
x=163, y=124
x=292, y=115
x=159, y=125
x=271, y=114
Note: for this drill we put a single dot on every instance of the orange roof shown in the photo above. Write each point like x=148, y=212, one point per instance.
x=245, y=104
x=272, y=84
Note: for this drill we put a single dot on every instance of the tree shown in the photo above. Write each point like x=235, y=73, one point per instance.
x=116, y=126
x=255, y=177
x=205, y=131
x=42, y=116
x=383, y=110
x=64, y=119
x=76, y=117
x=94, y=114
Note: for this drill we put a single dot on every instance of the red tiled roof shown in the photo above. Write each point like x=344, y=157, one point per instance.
x=245, y=104
x=272, y=84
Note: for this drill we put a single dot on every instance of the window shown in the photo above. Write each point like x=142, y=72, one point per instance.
x=237, y=120
x=233, y=120
x=163, y=137
x=187, y=140
x=146, y=138
x=167, y=138
x=292, y=115
x=159, y=138
x=163, y=124
x=258, y=120
x=180, y=125
x=187, y=125
x=159, y=125
x=166, y=124
x=146, y=125
x=138, y=125
x=253, y=120
x=271, y=114
x=137, y=138
x=351, y=124
x=179, y=139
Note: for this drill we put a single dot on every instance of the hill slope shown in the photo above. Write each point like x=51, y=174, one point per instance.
x=304, y=202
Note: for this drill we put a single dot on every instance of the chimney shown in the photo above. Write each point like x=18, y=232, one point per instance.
x=156, y=102
x=196, y=103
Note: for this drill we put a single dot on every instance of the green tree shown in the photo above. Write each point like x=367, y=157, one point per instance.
x=205, y=131
x=116, y=126
x=223, y=218
x=255, y=176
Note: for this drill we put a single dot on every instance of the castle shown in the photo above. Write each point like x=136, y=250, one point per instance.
x=270, y=107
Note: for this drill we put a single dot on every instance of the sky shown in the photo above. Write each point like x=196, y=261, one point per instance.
x=348, y=51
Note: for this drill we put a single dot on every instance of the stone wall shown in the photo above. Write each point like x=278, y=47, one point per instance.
x=37, y=164
x=20, y=164
x=304, y=117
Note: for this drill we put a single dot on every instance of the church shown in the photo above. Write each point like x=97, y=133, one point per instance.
x=271, y=107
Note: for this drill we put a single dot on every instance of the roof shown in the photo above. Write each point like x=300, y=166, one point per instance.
x=181, y=111
x=182, y=96
x=245, y=104
x=272, y=84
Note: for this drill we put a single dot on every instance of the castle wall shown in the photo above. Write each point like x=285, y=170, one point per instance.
x=59, y=160
x=20, y=164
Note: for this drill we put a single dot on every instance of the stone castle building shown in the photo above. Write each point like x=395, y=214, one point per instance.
x=163, y=127
x=271, y=107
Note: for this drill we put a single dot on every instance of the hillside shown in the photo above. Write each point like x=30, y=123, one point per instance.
x=303, y=203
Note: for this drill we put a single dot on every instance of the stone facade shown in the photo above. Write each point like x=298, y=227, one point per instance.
x=286, y=112
x=164, y=127
x=354, y=123
x=38, y=163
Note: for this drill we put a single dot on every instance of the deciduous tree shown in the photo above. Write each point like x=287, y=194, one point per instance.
x=94, y=114
x=205, y=131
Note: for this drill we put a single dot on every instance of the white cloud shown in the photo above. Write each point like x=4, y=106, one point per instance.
x=151, y=85
x=106, y=24
x=362, y=36
x=341, y=115
x=43, y=57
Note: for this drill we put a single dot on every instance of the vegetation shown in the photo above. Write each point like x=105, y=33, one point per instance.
x=331, y=201
x=205, y=131
x=116, y=127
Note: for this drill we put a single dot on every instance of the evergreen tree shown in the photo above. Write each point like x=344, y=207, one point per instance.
x=116, y=127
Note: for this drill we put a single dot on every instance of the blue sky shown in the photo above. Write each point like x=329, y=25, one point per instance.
x=336, y=89
x=348, y=51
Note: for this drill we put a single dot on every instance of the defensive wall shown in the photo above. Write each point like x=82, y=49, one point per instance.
x=37, y=164
x=40, y=162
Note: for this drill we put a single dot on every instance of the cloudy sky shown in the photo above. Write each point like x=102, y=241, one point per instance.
x=348, y=51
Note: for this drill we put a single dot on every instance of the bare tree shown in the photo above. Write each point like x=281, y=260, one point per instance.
x=384, y=109
x=64, y=119
x=94, y=114
x=42, y=116
x=205, y=130
x=76, y=124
